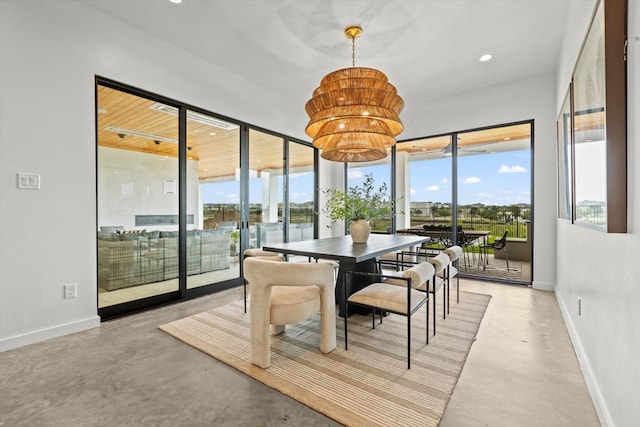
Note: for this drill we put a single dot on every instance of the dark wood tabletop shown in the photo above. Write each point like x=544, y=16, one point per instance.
x=342, y=248
x=351, y=256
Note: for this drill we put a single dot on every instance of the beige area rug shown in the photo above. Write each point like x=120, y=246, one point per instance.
x=367, y=385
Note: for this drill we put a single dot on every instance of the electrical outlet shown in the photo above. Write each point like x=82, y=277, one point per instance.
x=28, y=181
x=70, y=290
x=579, y=306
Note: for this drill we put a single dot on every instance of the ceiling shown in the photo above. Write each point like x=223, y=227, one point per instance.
x=428, y=49
x=130, y=122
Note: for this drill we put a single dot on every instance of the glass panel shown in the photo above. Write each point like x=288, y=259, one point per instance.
x=427, y=163
x=381, y=172
x=266, y=166
x=564, y=160
x=301, y=192
x=137, y=198
x=213, y=199
x=494, y=197
x=589, y=124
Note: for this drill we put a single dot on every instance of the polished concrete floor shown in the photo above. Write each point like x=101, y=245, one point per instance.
x=521, y=371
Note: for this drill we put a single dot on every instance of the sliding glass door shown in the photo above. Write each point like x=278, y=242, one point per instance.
x=212, y=156
x=137, y=168
x=494, y=200
x=470, y=188
x=182, y=193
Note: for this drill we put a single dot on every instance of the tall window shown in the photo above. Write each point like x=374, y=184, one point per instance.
x=469, y=188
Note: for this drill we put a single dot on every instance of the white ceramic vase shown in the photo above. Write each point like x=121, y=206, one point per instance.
x=360, y=230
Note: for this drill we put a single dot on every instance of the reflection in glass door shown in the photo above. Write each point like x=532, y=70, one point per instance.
x=266, y=167
x=213, y=200
x=137, y=234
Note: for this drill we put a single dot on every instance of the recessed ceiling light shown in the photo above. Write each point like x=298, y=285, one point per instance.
x=176, y=1
x=485, y=57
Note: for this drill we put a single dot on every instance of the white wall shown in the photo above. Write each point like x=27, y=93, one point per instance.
x=132, y=183
x=604, y=269
x=51, y=52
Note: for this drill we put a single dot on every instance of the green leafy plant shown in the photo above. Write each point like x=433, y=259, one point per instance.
x=357, y=202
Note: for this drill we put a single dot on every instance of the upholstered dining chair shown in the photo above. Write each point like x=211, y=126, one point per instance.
x=284, y=293
x=402, y=299
x=454, y=252
x=440, y=263
x=271, y=256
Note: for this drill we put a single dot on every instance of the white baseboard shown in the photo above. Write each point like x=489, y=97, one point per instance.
x=543, y=286
x=592, y=385
x=48, y=333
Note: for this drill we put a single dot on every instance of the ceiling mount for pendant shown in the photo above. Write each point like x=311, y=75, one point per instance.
x=353, y=32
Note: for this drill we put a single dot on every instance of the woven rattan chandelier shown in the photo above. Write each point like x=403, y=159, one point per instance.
x=354, y=114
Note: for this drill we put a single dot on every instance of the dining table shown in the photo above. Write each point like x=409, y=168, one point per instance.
x=354, y=257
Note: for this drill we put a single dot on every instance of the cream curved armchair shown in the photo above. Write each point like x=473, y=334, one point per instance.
x=283, y=293
x=271, y=256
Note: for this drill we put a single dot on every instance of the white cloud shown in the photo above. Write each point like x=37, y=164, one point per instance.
x=485, y=195
x=444, y=180
x=472, y=180
x=355, y=173
x=432, y=188
x=412, y=191
x=511, y=169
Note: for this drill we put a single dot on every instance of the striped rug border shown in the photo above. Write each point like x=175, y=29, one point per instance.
x=368, y=385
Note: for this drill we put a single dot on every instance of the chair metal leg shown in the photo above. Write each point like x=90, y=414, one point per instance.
x=346, y=347
x=448, y=288
x=346, y=314
x=244, y=285
x=427, y=306
x=434, y=305
x=409, y=341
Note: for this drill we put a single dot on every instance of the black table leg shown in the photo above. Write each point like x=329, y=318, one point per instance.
x=354, y=285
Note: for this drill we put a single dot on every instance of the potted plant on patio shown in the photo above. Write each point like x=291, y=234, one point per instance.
x=357, y=206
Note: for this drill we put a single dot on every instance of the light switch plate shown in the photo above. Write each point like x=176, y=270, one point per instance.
x=28, y=181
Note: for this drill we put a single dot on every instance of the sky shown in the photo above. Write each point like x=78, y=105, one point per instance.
x=491, y=179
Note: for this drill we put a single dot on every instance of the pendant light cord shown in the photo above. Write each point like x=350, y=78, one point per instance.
x=353, y=52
